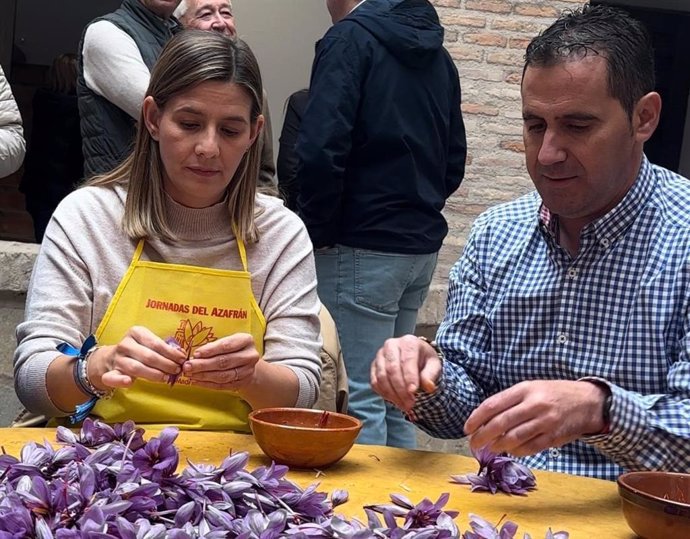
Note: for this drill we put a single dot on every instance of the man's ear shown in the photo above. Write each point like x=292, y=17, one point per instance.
x=646, y=116
x=151, y=114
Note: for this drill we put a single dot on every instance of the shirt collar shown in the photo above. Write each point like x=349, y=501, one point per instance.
x=615, y=222
x=357, y=6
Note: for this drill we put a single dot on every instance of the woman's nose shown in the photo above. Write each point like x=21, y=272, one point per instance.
x=207, y=145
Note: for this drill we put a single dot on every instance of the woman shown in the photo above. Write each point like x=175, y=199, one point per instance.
x=154, y=258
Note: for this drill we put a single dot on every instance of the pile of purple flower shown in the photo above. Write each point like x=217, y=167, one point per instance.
x=108, y=482
x=498, y=472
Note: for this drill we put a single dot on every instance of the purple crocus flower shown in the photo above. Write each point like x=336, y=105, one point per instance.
x=159, y=457
x=498, y=472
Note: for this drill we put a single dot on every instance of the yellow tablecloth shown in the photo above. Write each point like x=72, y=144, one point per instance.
x=587, y=508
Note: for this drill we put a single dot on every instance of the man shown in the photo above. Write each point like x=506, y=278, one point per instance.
x=118, y=51
x=381, y=147
x=217, y=16
x=566, y=336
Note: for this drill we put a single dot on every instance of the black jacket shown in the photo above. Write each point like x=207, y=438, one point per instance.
x=287, y=158
x=382, y=141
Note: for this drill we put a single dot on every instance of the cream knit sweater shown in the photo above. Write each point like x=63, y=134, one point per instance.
x=85, y=254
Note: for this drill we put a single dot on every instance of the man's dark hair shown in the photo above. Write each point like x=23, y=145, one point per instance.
x=606, y=31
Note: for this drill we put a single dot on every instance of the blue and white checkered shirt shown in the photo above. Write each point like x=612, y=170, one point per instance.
x=521, y=308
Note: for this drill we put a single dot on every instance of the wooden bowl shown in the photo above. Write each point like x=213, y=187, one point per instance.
x=304, y=438
x=656, y=505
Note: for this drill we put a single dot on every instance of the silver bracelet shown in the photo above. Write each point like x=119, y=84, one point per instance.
x=82, y=376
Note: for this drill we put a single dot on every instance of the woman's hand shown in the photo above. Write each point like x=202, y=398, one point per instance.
x=228, y=363
x=140, y=354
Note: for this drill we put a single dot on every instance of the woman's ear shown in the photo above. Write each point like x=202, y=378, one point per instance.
x=646, y=116
x=151, y=114
x=256, y=129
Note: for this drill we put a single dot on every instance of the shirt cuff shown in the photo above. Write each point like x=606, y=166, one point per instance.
x=627, y=424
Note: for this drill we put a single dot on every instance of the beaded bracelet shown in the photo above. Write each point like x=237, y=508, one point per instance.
x=81, y=377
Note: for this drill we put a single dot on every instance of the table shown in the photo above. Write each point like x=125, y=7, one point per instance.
x=587, y=508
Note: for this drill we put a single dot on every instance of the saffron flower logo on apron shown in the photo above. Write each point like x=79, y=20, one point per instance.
x=187, y=338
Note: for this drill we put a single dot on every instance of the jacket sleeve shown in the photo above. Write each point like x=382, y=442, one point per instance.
x=457, y=144
x=12, y=143
x=287, y=157
x=325, y=138
x=267, y=172
x=109, y=52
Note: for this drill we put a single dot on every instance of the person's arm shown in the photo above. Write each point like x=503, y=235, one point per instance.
x=267, y=172
x=457, y=145
x=287, y=157
x=439, y=396
x=651, y=432
x=325, y=137
x=291, y=306
x=114, y=68
x=59, y=308
x=464, y=337
x=12, y=143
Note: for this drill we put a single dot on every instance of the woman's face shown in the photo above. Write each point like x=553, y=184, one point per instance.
x=203, y=134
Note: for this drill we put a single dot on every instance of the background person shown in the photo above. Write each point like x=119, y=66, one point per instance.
x=117, y=52
x=12, y=143
x=162, y=247
x=54, y=163
x=287, y=156
x=217, y=16
x=381, y=147
x=566, y=335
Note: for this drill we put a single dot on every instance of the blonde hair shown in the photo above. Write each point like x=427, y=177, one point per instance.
x=190, y=58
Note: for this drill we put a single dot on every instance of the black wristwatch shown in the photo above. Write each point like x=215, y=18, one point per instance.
x=607, y=410
x=434, y=345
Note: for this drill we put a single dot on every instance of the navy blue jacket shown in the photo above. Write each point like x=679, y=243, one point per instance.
x=382, y=141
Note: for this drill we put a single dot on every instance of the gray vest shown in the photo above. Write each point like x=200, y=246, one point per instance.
x=107, y=131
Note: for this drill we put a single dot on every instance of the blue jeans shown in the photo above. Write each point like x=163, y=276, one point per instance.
x=373, y=296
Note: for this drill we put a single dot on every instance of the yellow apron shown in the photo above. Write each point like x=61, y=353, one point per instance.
x=194, y=305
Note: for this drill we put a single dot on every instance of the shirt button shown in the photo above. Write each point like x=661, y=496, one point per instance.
x=554, y=453
x=562, y=338
x=572, y=273
x=618, y=438
x=605, y=242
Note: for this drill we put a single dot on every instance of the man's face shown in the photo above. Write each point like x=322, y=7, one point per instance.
x=213, y=15
x=581, y=148
x=162, y=8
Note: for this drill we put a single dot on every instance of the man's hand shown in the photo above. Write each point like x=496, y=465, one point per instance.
x=401, y=367
x=532, y=416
